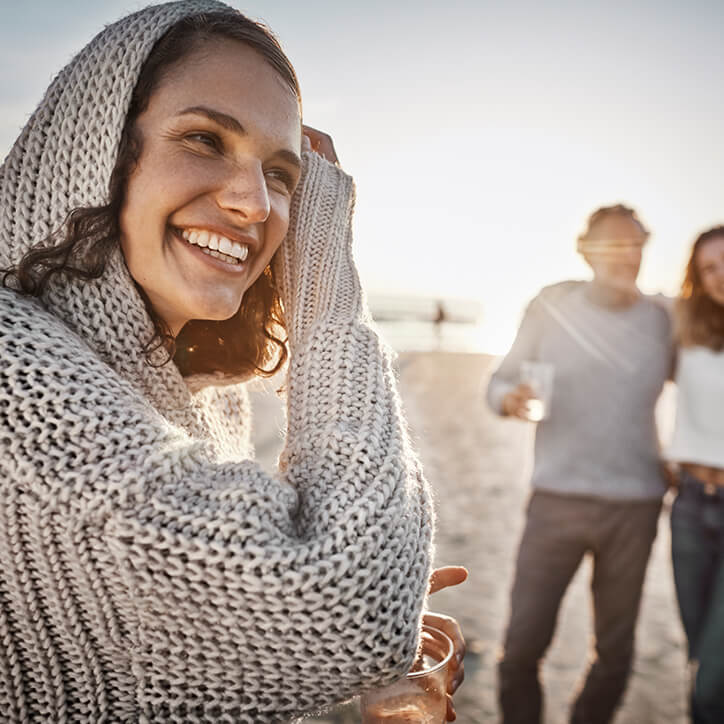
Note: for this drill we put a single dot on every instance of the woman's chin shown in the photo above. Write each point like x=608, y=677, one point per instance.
x=217, y=312
x=216, y=316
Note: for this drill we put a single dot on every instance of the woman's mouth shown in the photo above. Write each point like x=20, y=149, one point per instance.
x=216, y=245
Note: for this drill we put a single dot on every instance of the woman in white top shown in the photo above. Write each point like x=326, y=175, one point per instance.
x=697, y=452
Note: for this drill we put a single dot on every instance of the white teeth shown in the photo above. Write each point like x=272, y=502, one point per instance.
x=218, y=255
x=239, y=250
x=216, y=245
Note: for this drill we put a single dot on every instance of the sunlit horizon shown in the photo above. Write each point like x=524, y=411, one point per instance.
x=480, y=135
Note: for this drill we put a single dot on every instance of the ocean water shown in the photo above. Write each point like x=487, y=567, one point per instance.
x=423, y=324
x=426, y=336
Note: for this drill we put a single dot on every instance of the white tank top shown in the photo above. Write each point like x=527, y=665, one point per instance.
x=699, y=428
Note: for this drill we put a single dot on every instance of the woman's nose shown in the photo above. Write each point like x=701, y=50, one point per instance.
x=245, y=194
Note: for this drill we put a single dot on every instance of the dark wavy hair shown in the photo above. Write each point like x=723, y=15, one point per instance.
x=699, y=319
x=254, y=339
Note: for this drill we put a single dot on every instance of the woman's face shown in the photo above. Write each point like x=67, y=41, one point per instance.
x=614, y=249
x=208, y=203
x=710, y=265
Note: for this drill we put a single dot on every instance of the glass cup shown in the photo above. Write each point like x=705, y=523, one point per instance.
x=420, y=697
x=539, y=377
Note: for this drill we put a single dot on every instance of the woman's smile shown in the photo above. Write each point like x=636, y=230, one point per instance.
x=215, y=249
x=207, y=205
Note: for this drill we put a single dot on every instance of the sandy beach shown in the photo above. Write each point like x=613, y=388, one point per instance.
x=478, y=465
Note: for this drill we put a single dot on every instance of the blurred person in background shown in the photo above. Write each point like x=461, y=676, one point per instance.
x=597, y=478
x=696, y=463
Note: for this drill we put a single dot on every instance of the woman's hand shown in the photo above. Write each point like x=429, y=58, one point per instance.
x=514, y=403
x=319, y=142
x=672, y=473
x=442, y=578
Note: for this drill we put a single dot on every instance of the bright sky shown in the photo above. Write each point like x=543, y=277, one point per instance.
x=481, y=134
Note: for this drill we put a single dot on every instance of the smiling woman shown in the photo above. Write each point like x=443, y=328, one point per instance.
x=695, y=461
x=165, y=232
x=220, y=140
x=246, y=338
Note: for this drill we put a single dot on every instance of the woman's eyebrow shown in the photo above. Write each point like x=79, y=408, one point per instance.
x=289, y=157
x=224, y=120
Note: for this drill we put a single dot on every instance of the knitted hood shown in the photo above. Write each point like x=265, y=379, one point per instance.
x=63, y=160
x=152, y=570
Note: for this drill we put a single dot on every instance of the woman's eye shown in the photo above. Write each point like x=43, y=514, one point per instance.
x=280, y=179
x=206, y=139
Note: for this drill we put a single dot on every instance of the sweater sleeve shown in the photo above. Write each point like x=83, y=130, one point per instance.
x=525, y=347
x=230, y=593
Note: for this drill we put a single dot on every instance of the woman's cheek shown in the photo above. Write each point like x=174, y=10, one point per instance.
x=279, y=222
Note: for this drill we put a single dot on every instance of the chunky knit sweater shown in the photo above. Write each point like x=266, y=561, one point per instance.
x=150, y=570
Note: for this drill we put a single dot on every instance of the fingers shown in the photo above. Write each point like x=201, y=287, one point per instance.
x=439, y=579
x=447, y=576
x=514, y=403
x=671, y=473
x=456, y=667
x=321, y=143
x=442, y=578
x=525, y=391
x=449, y=626
x=450, y=714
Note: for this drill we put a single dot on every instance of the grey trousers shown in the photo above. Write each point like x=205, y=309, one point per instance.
x=559, y=531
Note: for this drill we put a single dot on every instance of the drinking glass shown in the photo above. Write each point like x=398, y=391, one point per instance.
x=539, y=377
x=419, y=697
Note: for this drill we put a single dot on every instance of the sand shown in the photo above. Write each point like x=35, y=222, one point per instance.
x=478, y=465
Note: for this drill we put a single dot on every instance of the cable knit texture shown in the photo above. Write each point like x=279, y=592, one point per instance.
x=151, y=570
